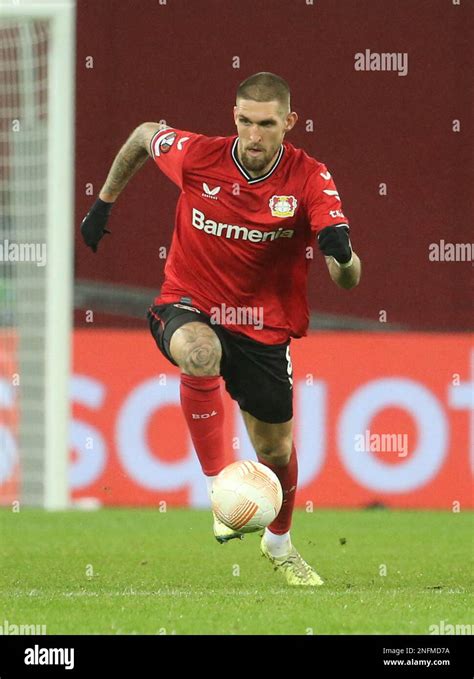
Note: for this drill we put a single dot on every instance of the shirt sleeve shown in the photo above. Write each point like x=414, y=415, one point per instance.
x=323, y=201
x=169, y=148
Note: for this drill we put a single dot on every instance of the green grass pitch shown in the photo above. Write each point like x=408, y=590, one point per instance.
x=126, y=571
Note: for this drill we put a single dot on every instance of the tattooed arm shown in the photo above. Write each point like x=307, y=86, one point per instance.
x=129, y=160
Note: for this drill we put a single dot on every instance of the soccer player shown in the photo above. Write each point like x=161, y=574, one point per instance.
x=234, y=292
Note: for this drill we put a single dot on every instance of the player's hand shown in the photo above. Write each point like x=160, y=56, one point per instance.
x=334, y=242
x=93, y=224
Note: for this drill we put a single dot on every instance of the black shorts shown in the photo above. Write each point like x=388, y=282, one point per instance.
x=258, y=376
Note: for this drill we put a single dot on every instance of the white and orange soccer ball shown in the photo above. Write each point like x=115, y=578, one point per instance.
x=246, y=496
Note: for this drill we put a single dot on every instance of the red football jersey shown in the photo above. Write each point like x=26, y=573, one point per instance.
x=241, y=243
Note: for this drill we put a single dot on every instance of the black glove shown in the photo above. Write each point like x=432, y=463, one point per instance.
x=334, y=242
x=93, y=224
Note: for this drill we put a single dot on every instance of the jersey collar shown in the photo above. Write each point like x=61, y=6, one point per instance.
x=248, y=177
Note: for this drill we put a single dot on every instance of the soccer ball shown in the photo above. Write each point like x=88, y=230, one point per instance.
x=246, y=496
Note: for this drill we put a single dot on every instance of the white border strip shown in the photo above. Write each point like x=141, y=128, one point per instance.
x=60, y=230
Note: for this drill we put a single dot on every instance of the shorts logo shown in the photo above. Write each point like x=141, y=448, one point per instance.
x=164, y=142
x=283, y=206
x=185, y=306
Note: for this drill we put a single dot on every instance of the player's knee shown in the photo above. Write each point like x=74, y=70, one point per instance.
x=275, y=452
x=196, y=349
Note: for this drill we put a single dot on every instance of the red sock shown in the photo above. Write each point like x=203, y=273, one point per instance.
x=288, y=478
x=201, y=402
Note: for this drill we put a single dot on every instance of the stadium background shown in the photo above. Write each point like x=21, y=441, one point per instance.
x=394, y=355
x=369, y=128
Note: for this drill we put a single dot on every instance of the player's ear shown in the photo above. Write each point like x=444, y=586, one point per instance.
x=291, y=120
x=235, y=115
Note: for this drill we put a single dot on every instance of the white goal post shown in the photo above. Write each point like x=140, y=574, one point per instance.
x=37, y=76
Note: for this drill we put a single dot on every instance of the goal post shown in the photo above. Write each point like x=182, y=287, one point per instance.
x=37, y=40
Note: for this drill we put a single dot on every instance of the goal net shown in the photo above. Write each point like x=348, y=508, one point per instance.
x=36, y=227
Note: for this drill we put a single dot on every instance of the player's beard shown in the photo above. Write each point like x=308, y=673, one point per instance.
x=257, y=163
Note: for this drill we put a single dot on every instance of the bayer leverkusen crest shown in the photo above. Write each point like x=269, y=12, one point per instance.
x=283, y=206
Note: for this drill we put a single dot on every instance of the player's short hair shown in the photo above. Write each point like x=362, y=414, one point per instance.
x=265, y=86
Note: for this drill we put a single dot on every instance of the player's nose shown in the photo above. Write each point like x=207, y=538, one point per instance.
x=255, y=135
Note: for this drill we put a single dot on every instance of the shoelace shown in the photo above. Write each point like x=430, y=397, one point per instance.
x=302, y=568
